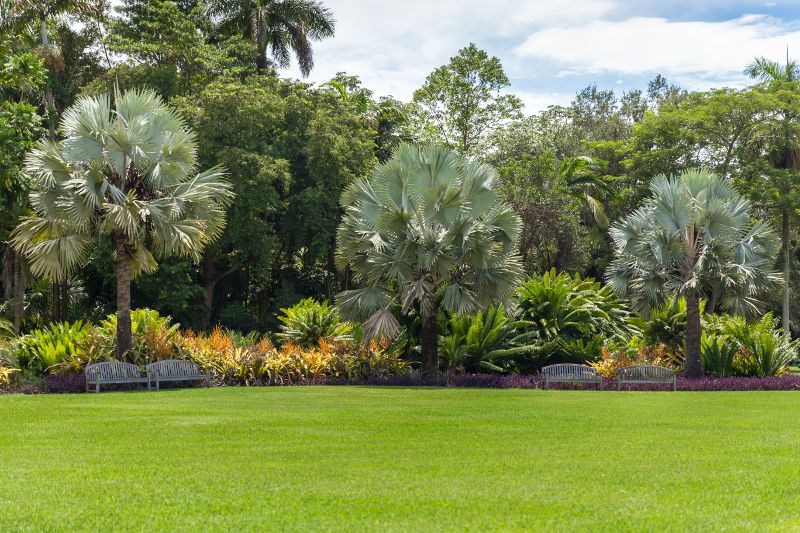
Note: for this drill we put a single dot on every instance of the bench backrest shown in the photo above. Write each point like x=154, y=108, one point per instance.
x=112, y=370
x=645, y=372
x=174, y=368
x=569, y=370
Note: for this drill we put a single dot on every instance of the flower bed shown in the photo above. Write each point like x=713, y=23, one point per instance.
x=75, y=383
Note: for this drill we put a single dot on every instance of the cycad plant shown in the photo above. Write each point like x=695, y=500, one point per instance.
x=694, y=234
x=484, y=341
x=562, y=306
x=309, y=321
x=126, y=173
x=427, y=227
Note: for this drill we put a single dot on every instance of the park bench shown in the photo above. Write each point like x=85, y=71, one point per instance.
x=645, y=374
x=175, y=370
x=113, y=372
x=570, y=373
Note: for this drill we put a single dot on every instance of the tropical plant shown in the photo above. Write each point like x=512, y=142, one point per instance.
x=277, y=27
x=718, y=354
x=426, y=227
x=667, y=325
x=153, y=336
x=559, y=306
x=692, y=237
x=583, y=176
x=43, y=349
x=483, y=341
x=309, y=321
x=6, y=330
x=762, y=348
x=126, y=173
x=634, y=351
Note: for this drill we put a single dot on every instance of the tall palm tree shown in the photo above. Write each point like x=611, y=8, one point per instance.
x=427, y=226
x=784, y=155
x=277, y=27
x=126, y=173
x=693, y=234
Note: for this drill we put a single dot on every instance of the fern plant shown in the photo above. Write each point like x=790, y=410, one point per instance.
x=309, y=321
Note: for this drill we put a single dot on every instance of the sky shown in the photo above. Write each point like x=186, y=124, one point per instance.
x=551, y=49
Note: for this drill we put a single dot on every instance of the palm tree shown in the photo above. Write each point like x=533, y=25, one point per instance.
x=126, y=173
x=694, y=234
x=784, y=155
x=583, y=177
x=426, y=227
x=279, y=27
x=22, y=13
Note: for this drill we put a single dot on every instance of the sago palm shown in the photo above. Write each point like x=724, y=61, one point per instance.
x=277, y=27
x=125, y=173
x=692, y=236
x=427, y=226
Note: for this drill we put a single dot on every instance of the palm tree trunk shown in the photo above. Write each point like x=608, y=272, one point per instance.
x=49, y=100
x=429, y=308
x=692, y=365
x=787, y=270
x=123, y=267
x=19, y=292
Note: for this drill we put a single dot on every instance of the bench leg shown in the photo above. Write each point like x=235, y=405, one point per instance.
x=97, y=387
x=544, y=384
x=619, y=386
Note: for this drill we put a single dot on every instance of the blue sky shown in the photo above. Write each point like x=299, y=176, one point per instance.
x=552, y=48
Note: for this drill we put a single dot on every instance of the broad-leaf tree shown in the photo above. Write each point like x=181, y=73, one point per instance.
x=780, y=143
x=279, y=28
x=426, y=228
x=463, y=100
x=693, y=238
x=127, y=173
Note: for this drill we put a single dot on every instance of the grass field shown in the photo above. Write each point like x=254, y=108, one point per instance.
x=342, y=458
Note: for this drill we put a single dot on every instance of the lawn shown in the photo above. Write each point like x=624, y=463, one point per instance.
x=351, y=458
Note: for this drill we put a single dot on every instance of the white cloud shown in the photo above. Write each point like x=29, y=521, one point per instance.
x=692, y=51
x=393, y=46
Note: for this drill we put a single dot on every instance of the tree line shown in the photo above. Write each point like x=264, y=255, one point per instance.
x=289, y=150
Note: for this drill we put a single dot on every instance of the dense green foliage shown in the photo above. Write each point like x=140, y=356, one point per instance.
x=292, y=150
x=308, y=322
x=266, y=459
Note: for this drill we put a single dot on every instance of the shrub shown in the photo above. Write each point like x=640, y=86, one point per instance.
x=558, y=305
x=762, y=348
x=634, y=352
x=43, y=349
x=718, y=353
x=667, y=326
x=483, y=341
x=568, y=318
x=308, y=321
x=262, y=363
x=153, y=336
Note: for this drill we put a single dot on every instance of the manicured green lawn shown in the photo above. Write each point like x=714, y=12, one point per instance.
x=342, y=458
